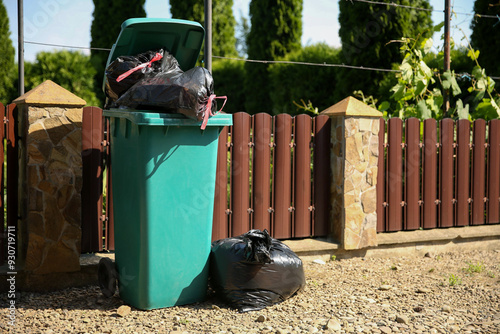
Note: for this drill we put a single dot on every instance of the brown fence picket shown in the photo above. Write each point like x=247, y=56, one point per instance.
x=462, y=172
x=240, y=169
x=446, y=172
x=282, y=177
x=493, y=184
x=302, y=184
x=3, y=231
x=412, y=174
x=478, y=185
x=220, y=227
x=271, y=184
x=321, y=177
x=394, y=176
x=12, y=166
x=429, y=174
x=381, y=189
x=109, y=221
x=261, y=191
x=92, y=139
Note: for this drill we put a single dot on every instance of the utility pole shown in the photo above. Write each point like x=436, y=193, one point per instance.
x=208, y=35
x=20, y=45
x=447, y=18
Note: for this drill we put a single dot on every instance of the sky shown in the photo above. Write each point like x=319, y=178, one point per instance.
x=67, y=22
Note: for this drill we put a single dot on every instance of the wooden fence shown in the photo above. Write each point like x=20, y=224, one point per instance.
x=265, y=178
x=274, y=173
x=447, y=176
x=97, y=219
x=278, y=176
x=9, y=152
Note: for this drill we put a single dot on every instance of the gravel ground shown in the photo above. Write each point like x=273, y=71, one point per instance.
x=441, y=293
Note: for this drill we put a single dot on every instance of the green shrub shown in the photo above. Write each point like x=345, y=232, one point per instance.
x=314, y=84
x=228, y=80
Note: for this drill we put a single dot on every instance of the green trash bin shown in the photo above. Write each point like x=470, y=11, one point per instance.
x=163, y=183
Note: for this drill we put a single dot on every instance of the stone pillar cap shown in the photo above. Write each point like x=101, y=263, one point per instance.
x=351, y=107
x=50, y=93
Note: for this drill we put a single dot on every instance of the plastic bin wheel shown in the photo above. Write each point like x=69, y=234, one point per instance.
x=107, y=276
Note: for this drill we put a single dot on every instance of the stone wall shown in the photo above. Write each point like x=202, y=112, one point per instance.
x=354, y=168
x=50, y=178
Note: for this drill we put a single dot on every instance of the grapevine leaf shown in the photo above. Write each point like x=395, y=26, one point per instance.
x=421, y=85
x=438, y=27
x=384, y=106
x=463, y=112
x=427, y=45
x=422, y=111
x=399, y=92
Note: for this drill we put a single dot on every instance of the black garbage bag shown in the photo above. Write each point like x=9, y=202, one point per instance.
x=187, y=93
x=253, y=271
x=114, y=87
x=126, y=71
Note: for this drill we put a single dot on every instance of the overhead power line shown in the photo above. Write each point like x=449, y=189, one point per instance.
x=67, y=46
x=364, y=68
x=241, y=59
x=423, y=9
x=395, y=5
x=308, y=64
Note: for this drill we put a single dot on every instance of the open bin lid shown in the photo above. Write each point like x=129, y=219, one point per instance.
x=181, y=38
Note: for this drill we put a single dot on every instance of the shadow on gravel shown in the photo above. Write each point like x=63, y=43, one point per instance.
x=91, y=298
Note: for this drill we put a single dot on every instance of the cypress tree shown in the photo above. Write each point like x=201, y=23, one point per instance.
x=486, y=35
x=276, y=30
x=370, y=33
x=108, y=16
x=223, y=22
x=7, y=64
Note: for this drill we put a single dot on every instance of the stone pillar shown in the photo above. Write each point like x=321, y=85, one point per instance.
x=354, y=160
x=50, y=178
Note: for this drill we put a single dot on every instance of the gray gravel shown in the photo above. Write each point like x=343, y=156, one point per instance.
x=441, y=293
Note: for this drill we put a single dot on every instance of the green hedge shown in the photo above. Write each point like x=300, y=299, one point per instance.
x=292, y=82
x=229, y=76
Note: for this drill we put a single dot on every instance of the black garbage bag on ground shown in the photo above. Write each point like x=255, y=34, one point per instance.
x=187, y=93
x=126, y=71
x=254, y=271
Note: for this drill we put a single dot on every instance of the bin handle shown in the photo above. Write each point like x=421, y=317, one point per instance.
x=157, y=56
x=208, y=109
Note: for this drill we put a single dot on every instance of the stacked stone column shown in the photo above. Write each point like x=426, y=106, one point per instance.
x=354, y=161
x=50, y=178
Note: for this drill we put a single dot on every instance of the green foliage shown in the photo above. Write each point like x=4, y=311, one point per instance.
x=192, y=10
x=228, y=78
x=485, y=37
x=7, y=64
x=454, y=280
x=276, y=29
x=474, y=268
x=242, y=31
x=306, y=107
x=223, y=22
x=316, y=84
x=106, y=25
x=369, y=35
x=418, y=91
x=69, y=69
